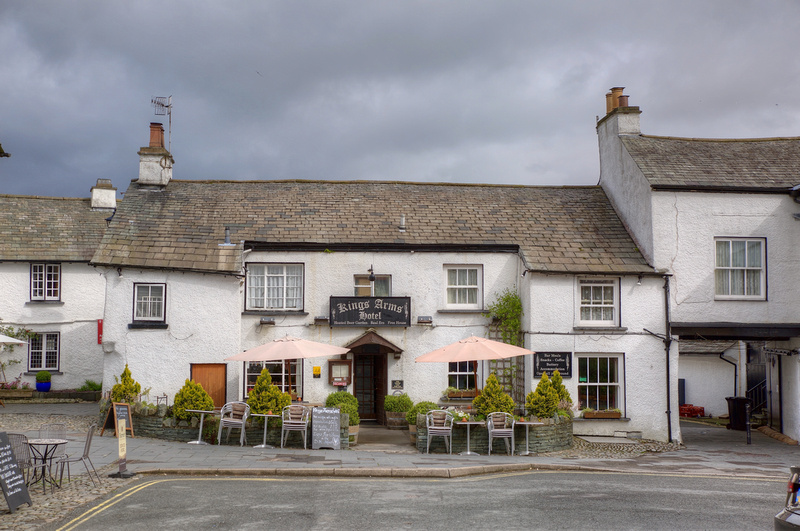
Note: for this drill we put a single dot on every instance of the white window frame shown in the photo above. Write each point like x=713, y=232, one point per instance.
x=285, y=296
x=752, y=267
x=461, y=373
x=45, y=282
x=149, y=308
x=278, y=373
x=594, y=383
x=597, y=305
x=47, y=347
x=381, y=287
x=457, y=289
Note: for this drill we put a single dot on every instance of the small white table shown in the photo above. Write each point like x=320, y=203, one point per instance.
x=469, y=423
x=44, y=451
x=266, y=416
x=202, y=416
x=528, y=424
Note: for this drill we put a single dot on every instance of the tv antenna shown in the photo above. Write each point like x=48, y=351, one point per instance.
x=163, y=105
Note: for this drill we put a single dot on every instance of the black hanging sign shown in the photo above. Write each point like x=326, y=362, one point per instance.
x=370, y=311
x=11, y=479
x=551, y=361
x=117, y=411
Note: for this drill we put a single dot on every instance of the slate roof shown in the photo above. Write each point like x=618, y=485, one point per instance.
x=700, y=346
x=562, y=229
x=49, y=228
x=766, y=164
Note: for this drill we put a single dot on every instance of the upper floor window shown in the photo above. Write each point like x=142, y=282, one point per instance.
x=380, y=287
x=274, y=287
x=463, y=287
x=598, y=303
x=45, y=282
x=739, y=268
x=149, y=304
x=43, y=352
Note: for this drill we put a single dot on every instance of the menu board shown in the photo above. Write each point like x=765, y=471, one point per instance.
x=11, y=479
x=325, y=426
x=118, y=411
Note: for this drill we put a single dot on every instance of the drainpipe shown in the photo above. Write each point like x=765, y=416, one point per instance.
x=735, y=374
x=667, y=343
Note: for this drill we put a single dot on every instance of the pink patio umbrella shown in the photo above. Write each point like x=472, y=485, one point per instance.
x=5, y=340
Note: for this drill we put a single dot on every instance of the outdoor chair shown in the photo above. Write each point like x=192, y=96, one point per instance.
x=440, y=424
x=295, y=418
x=233, y=415
x=22, y=452
x=66, y=459
x=501, y=426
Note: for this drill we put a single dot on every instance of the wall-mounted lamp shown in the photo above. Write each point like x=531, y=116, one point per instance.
x=425, y=319
x=119, y=272
x=371, y=274
x=639, y=281
x=267, y=321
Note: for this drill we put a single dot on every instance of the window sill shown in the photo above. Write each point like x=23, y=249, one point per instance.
x=475, y=310
x=44, y=303
x=740, y=299
x=605, y=329
x=581, y=419
x=275, y=312
x=147, y=326
x=51, y=371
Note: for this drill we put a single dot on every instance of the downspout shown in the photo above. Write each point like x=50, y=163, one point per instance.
x=667, y=344
x=735, y=373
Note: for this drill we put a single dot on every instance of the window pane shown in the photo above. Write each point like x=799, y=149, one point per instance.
x=737, y=281
x=722, y=282
x=753, y=254
x=383, y=286
x=753, y=282
x=723, y=254
x=738, y=253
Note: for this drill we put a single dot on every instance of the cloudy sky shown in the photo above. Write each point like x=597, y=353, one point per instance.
x=441, y=91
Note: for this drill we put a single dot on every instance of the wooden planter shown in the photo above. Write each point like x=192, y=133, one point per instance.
x=412, y=433
x=396, y=420
x=353, y=432
x=16, y=393
x=602, y=414
x=462, y=394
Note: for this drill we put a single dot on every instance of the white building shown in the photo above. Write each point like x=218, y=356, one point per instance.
x=721, y=217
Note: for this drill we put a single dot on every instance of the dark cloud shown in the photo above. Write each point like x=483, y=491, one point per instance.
x=467, y=91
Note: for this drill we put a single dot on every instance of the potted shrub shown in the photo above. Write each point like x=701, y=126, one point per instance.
x=411, y=417
x=347, y=403
x=493, y=398
x=265, y=397
x=43, y=381
x=396, y=408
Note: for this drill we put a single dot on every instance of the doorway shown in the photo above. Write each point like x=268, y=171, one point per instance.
x=369, y=382
x=212, y=377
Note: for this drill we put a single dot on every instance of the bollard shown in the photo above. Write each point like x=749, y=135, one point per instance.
x=747, y=420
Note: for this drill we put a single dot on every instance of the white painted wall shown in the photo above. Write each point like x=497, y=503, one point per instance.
x=74, y=318
x=709, y=380
x=790, y=387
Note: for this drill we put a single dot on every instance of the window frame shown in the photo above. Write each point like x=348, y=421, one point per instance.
x=279, y=379
x=466, y=375
x=371, y=285
x=43, y=277
x=619, y=384
x=43, y=366
x=149, y=319
x=478, y=286
x=249, y=286
x=604, y=282
x=762, y=269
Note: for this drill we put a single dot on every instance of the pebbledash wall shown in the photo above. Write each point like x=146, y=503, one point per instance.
x=74, y=317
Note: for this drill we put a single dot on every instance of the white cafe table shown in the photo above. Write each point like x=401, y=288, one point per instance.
x=44, y=451
x=469, y=423
x=528, y=424
x=266, y=416
x=202, y=416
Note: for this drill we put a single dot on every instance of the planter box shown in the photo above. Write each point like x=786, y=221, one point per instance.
x=396, y=420
x=462, y=394
x=602, y=414
x=16, y=393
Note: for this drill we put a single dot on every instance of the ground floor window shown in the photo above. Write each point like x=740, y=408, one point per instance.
x=281, y=371
x=600, y=381
x=43, y=352
x=461, y=375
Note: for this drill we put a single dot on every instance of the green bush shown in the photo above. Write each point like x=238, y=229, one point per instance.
x=543, y=401
x=493, y=398
x=265, y=397
x=420, y=408
x=191, y=396
x=350, y=409
x=397, y=403
x=91, y=385
x=340, y=396
x=42, y=376
x=126, y=389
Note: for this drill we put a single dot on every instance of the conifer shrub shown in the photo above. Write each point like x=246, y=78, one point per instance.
x=397, y=403
x=543, y=401
x=493, y=398
x=126, y=389
x=266, y=397
x=558, y=385
x=191, y=396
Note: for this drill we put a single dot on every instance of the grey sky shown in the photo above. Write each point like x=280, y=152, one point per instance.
x=443, y=91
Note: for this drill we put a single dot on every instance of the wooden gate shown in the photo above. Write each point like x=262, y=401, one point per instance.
x=212, y=376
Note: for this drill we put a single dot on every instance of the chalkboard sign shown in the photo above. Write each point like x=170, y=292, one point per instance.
x=11, y=479
x=118, y=411
x=325, y=428
x=551, y=361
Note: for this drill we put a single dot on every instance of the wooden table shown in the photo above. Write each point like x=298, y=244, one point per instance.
x=202, y=416
x=528, y=424
x=43, y=451
x=468, y=424
x=266, y=416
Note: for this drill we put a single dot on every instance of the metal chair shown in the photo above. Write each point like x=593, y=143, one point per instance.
x=233, y=415
x=54, y=431
x=501, y=426
x=295, y=418
x=440, y=424
x=22, y=452
x=66, y=459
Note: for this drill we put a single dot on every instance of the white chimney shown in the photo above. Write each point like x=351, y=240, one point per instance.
x=155, y=162
x=104, y=196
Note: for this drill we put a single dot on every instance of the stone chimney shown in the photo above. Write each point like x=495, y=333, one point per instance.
x=155, y=162
x=104, y=196
x=627, y=118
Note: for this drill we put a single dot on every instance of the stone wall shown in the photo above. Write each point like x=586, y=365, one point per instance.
x=555, y=435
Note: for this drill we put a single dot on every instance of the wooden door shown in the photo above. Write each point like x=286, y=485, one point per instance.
x=212, y=376
x=370, y=385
